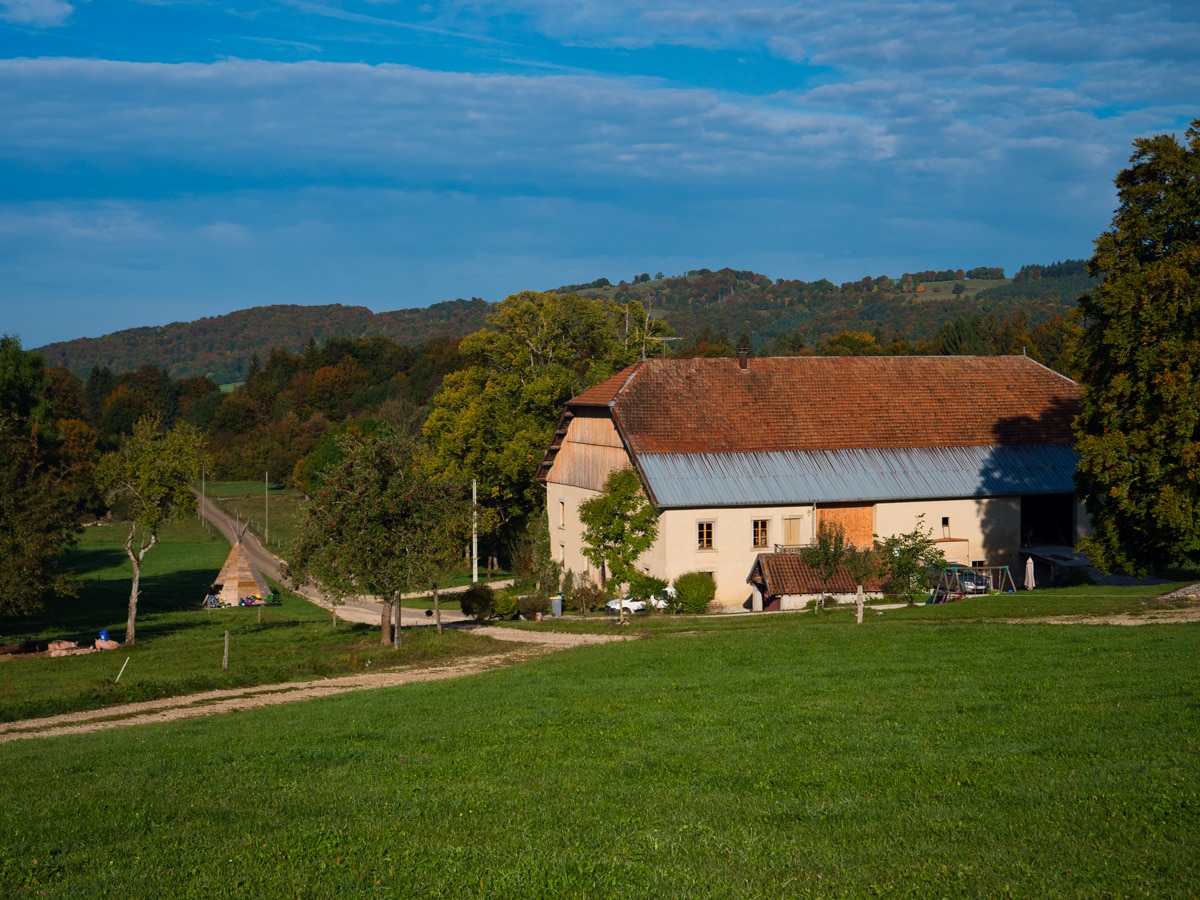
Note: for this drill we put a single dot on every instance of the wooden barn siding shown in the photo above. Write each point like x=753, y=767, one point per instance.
x=597, y=430
x=857, y=519
x=591, y=450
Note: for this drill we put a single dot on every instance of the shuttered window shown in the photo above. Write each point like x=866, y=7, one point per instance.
x=791, y=532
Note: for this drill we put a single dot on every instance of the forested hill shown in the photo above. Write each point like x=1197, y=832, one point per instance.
x=221, y=347
x=745, y=307
x=701, y=306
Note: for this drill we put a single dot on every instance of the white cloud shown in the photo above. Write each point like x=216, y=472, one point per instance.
x=262, y=122
x=38, y=13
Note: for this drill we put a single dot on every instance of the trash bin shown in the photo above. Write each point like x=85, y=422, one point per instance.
x=556, y=605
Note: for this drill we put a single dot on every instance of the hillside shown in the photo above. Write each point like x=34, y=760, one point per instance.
x=700, y=305
x=911, y=308
x=221, y=347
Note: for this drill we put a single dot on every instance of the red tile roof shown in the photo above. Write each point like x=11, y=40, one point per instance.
x=824, y=403
x=787, y=573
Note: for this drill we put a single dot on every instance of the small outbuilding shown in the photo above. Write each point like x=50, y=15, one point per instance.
x=239, y=578
x=786, y=581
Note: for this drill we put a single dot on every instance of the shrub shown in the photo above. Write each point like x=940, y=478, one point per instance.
x=478, y=600
x=532, y=604
x=568, y=589
x=694, y=592
x=644, y=587
x=589, y=596
x=505, y=605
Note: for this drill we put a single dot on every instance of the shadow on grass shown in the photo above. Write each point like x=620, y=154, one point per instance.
x=104, y=604
x=83, y=561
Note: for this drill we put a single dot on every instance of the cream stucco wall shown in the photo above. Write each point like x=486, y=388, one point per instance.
x=566, y=531
x=987, y=530
x=733, y=551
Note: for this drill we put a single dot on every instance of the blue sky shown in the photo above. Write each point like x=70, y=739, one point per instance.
x=162, y=161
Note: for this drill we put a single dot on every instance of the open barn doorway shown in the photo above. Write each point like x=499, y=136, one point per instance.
x=1048, y=520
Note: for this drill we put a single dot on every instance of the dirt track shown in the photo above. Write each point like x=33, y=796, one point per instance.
x=529, y=644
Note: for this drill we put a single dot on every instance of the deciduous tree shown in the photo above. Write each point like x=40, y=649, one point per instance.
x=619, y=525
x=828, y=553
x=377, y=526
x=147, y=482
x=906, y=559
x=38, y=524
x=1139, y=426
x=493, y=420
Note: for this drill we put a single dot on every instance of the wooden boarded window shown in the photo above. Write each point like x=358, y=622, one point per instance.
x=857, y=521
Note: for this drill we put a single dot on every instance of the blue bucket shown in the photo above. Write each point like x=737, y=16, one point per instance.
x=104, y=634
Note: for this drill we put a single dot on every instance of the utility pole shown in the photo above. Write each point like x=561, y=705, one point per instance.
x=266, y=508
x=474, y=535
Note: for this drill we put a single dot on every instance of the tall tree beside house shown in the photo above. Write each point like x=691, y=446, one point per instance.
x=378, y=526
x=147, y=483
x=619, y=525
x=1139, y=426
x=493, y=420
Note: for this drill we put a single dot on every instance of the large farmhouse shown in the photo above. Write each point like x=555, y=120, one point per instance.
x=743, y=457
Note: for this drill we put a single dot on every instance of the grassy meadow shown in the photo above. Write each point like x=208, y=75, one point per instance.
x=921, y=754
x=932, y=751
x=275, y=518
x=180, y=646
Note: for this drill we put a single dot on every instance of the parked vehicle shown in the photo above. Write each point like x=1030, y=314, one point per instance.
x=633, y=606
x=970, y=581
x=957, y=579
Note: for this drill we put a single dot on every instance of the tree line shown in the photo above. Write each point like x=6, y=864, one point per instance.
x=483, y=409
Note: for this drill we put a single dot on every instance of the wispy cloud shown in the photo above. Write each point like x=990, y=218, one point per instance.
x=38, y=13
x=405, y=154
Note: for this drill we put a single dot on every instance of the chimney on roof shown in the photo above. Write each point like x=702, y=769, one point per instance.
x=743, y=358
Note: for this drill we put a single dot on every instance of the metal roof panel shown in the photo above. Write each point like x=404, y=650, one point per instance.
x=786, y=478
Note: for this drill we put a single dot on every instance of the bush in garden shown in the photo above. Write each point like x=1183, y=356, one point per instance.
x=478, y=600
x=694, y=592
x=568, y=590
x=647, y=587
x=589, y=597
x=532, y=604
x=505, y=605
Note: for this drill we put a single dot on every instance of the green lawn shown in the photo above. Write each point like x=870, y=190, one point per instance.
x=275, y=520
x=180, y=646
x=777, y=756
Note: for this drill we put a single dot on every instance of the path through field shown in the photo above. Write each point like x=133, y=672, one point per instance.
x=529, y=644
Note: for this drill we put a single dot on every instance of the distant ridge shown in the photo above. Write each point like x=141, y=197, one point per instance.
x=221, y=347
x=700, y=305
